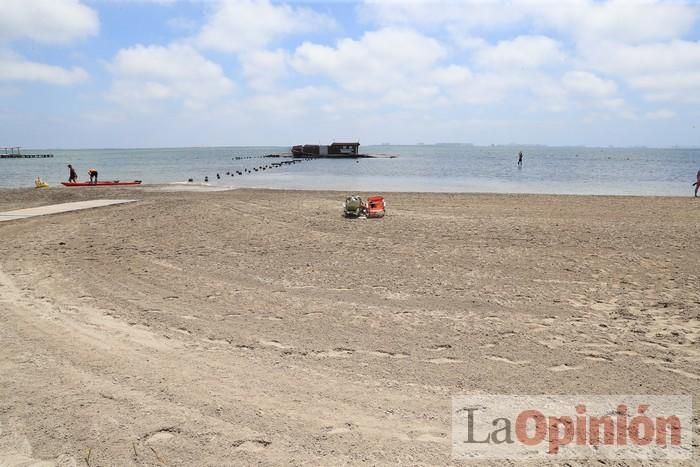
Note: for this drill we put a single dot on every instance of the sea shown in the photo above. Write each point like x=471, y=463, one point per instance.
x=420, y=168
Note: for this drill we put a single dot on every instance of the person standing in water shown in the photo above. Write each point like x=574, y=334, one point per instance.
x=520, y=159
x=697, y=183
x=72, y=176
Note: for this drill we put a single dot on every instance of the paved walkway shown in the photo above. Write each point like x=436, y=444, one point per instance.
x=58, y=208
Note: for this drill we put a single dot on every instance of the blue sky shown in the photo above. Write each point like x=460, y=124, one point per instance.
x=158, y=73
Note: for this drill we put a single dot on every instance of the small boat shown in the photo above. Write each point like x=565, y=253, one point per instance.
x=105, y=183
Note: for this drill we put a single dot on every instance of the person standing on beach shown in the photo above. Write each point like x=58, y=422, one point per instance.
x=520, y=159
x=72, y=176
x=697, y=183
x=93, y=175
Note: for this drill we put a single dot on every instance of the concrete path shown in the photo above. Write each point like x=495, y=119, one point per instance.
x=58, y=208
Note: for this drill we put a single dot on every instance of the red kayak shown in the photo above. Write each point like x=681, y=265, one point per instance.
x=107, y=183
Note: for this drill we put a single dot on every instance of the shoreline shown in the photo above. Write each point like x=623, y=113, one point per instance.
x=195, y=187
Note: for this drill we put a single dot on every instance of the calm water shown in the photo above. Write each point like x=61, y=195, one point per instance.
x=458, y=168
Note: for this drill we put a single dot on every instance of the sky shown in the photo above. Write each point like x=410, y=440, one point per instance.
x=169, y=73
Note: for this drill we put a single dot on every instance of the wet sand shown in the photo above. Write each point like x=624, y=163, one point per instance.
x=260, y=327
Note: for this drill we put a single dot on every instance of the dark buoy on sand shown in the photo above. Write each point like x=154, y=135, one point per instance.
x=206, y=179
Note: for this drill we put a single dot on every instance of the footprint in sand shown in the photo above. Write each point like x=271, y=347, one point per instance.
x=535, y=327
x=251, y=445
x=439, y=347
x=337, y=352
x=553, y=343
x=598, y=358
x=337, y=430
x=663, y=364
x=655, y=345
x=275, y=344
x=216, y=341
x=385, y=353
x=687, y=374
x=444, y=360
x=604, y=307
x=576, y=303
x=159, y=437
x=597, y=345
x=428, y=437
x=563, y=367
x=496, y=358
x=627, y=353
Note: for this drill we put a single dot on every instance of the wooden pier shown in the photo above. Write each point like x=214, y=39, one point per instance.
x=14, y=152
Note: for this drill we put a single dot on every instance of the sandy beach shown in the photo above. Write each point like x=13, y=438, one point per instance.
x=260, y=327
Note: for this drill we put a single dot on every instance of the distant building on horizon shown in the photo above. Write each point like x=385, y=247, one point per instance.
x=334, y=150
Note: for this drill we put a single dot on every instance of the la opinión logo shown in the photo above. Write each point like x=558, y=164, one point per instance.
x=639, y=427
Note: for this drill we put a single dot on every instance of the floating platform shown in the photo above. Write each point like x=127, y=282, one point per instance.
x=13, y=152
x=304, y=155
x=25, y=156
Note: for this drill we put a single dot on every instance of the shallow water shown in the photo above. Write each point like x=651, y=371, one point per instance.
x=443, y=168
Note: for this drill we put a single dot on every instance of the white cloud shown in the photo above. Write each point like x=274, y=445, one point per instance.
x=464, y=40
x=244, y=25
x=422, y=96
x=262, y=68
x=489, y=88
x=615, y=105
x=682, y=87
x=661, y=71
x=621, y=20
x=468, y=13
x=521, y=52
x=629, y=21
x=588, y=84
x=378, y=61
x=180, y=23
x=548, y=94
x=290, y=103
x=16, y=68
x=46, y=21
x=451, y=75
x=666, y=57
x=152, y=73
